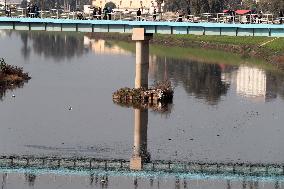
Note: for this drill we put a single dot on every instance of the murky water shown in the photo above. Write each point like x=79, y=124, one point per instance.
x=122, y=182
x=220, y=112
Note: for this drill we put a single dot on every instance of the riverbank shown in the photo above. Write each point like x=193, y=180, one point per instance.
x=269, y=49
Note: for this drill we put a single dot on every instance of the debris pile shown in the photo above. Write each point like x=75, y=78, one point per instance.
x=11, y=74
x=156, y=97
x=11, y=77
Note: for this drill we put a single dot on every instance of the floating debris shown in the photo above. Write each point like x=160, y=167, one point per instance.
x=103, y=181
x=157, y=97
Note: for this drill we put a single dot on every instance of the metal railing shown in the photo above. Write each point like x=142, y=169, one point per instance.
x=87, y=163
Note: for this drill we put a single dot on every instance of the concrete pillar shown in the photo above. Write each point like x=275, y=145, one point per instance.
x=142, y=64
x=142, y=56
x=140, y=154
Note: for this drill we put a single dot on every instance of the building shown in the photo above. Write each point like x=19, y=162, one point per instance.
x=127, y=4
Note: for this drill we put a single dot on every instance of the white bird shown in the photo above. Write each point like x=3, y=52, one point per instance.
x=13, y=96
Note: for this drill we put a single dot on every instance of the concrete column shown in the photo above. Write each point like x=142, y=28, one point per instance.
x=142, y=64
x=140, y=154
x=142, y=57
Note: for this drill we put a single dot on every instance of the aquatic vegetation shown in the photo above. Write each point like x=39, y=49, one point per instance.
x=156, y=97
x=11, y=77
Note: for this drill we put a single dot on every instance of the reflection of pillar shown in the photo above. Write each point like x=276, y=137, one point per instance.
x=4, y=178
x=229, y=184
x=30, y=178
x=142, y=56
x=140, y=154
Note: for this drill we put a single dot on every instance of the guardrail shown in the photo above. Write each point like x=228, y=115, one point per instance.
x=48, y=24
x=174, y=167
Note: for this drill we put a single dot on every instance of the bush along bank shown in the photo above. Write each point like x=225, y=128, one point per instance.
x=269, y=49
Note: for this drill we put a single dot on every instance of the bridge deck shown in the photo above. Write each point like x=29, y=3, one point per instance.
x=120, y=26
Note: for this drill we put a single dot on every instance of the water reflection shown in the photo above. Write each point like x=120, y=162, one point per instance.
x=252, y=83
x=140, y=154
x=30, y=179
x=55, y=45
x=204, y=81
x=5, y=88
x=101, y=46
x=106, y=181
x=4, y=180
x=26, y=50
x=199, y=79
x=3, y=33
x=211, y=81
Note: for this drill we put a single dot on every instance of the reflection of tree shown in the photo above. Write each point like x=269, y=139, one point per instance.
x=274, y=85
x=4, y=89
x=25, y=49
x=202, y=80
x=54, y=45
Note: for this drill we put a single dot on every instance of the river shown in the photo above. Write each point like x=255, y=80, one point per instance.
x=225, y=109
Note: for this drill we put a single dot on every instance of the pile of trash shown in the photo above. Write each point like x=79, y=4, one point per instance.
x=154, y=97
x=10, y=75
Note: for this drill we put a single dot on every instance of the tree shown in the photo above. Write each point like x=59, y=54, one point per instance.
x=176, y=5
x=49, y=4
x=233, y=4
x=110, y=4
x=196, y=6
x=248, y=4
x=24, y=3
x=216, y=6
x=272, y=6
x=159, y=3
